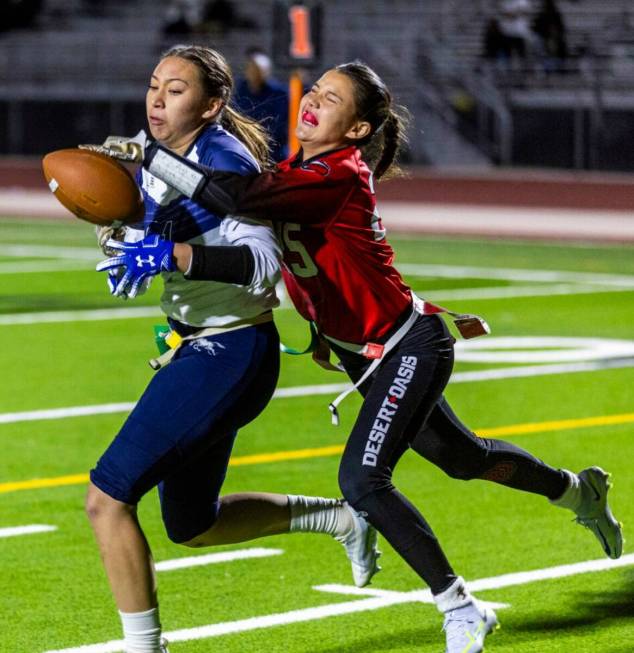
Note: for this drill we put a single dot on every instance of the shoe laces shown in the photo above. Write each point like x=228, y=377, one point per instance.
x=456, y=624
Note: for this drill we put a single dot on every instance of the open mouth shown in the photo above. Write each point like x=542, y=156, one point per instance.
x=309, y=118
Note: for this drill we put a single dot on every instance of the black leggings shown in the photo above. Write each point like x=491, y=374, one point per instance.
x=403, y=408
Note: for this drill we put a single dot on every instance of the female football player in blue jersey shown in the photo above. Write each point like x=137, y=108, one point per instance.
x=181, y=432
x=393, y=345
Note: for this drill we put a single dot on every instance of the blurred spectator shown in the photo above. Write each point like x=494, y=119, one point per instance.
x=515, y=25
x=264, y=99
x=550, y=29
x=185, y=17
x=220, y=16
x=494, y=45
x=508, y=39
x=181, y=17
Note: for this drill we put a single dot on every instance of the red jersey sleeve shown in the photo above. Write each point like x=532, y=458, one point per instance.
x=309, y=193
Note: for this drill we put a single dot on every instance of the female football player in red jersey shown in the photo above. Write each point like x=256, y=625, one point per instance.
x=340, y=275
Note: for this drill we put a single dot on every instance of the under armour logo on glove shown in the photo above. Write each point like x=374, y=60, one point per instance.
x=140, y=262
x=136, y=262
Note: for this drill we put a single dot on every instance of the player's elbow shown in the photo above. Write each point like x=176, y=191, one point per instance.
x=267, y=268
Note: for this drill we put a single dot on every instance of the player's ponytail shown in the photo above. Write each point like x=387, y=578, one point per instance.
x=217, y=81
x=387, y=121
x=393, y=137
x=250, y=132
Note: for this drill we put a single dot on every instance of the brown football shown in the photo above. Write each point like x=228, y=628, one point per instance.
x=94, y=187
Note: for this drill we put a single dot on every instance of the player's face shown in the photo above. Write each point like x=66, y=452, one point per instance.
x=328, y=115
x=176, y=105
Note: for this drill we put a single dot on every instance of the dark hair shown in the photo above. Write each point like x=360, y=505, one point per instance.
x=217, y=81
x=388, y=122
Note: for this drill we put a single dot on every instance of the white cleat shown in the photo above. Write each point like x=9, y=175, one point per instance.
x=466, y=628
x=361, y=549
x=163, y=647
x=595, y=514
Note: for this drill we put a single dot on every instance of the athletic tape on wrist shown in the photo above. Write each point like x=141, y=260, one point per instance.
x=184, y=178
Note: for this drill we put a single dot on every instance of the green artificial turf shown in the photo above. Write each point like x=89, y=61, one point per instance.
x=54, y=593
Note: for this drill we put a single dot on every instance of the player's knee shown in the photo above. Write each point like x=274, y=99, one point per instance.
x=191, y=530
x=93, y=504
x=100, y=506
x=356, y=484
x=184, y=535
x=463, y=470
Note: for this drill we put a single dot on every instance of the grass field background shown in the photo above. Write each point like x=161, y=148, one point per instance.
x=57, y=353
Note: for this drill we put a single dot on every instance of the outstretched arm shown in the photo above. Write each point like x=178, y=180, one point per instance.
x=306, y=194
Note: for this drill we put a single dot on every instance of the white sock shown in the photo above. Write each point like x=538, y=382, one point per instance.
x=319, y=515
x=455, y=596
x=573, y=494
x=141, y=631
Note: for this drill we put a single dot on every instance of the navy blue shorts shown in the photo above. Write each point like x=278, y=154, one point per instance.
x=180, y=434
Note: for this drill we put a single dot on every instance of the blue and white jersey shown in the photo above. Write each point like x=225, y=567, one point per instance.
x=175, y=217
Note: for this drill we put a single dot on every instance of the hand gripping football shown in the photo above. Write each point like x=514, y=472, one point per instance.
x=93, y=186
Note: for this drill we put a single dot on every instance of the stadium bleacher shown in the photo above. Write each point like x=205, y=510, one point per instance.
x=429, y=53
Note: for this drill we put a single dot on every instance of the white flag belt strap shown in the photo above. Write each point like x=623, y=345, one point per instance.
x=164, y=359
x=418, y=306
x=348, y=346
x=469, y=326
x=391, y=342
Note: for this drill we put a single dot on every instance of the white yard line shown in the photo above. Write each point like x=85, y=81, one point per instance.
x=376, y=601
x=63, y=258
x=334, y=388
x=509, y=292
x=565, y=283
x=541, y=370
x=426, y=595
x=103, y=314
x=216, y=558
x=16, y=531
x=514, y=274
x=48, y=317
x=63, y=413
x=33, y=267
x=93, y=254
x=310, y=390
x=52, y=251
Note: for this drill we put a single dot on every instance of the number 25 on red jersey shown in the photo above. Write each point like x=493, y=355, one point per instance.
x=305, y=267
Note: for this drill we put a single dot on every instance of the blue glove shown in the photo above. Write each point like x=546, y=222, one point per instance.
x=138, y=261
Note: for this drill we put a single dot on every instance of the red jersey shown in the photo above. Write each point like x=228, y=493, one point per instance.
x=340, y=265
